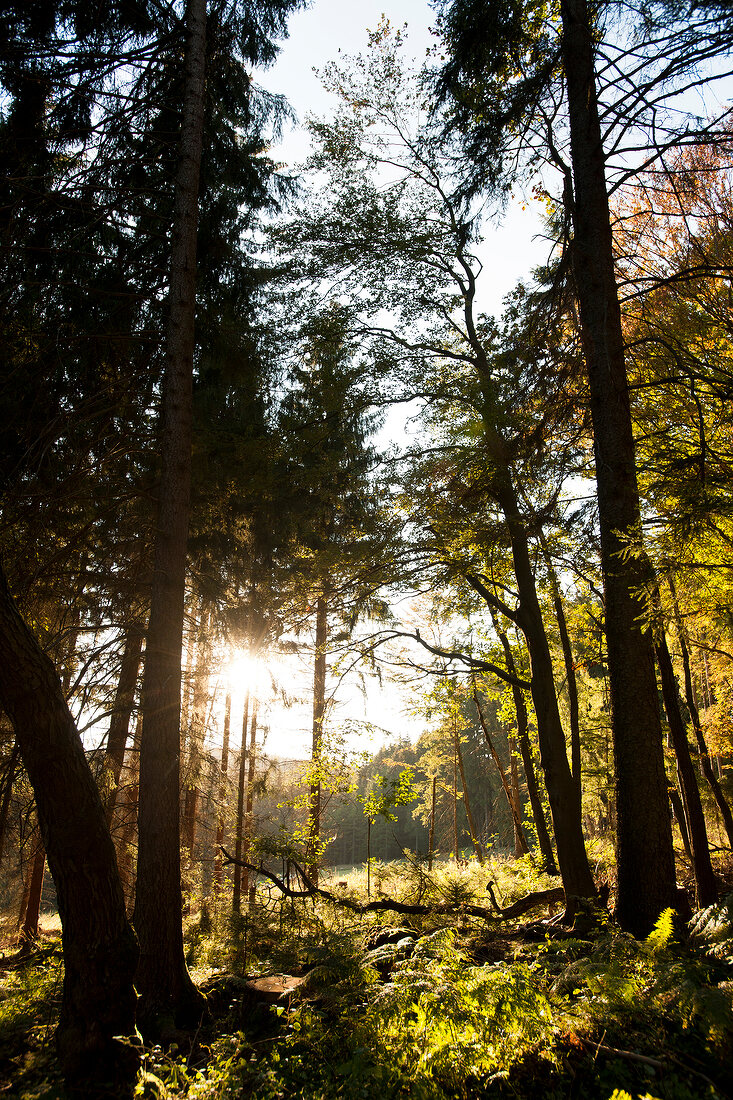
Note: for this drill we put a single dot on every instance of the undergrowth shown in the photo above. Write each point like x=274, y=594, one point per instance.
x=430, y=1009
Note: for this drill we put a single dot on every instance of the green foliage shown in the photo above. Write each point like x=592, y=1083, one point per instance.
x=30, y=996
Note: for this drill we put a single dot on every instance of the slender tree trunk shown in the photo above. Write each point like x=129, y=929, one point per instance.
x=224, y=768
x=165, y=987
x=100, y=953
x=119, y=725
x=645, y=858
x=319, y=712
x=707, y=889
x=705, y=762
x=196, y=734
x=431, y=840
x=455, y=798
x=8, y=779
x=239, y=823
x=679, y=812
x=466, y=801
x=521, y=847
x=29, y=930
x=525, y=750
x=514, y=808
x=249, y=810
x=562, y=791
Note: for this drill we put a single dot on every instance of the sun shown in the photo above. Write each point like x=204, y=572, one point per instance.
x=245, y=673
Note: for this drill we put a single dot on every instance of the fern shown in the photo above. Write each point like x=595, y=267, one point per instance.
x=661, y=935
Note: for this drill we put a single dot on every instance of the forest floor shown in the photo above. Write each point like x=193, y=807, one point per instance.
x=429, y=1008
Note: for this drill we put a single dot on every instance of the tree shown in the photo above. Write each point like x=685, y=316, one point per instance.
x=165, y=986
x=100, y=951
x=408, y=249
x=384, y=797
x=341, y=540
x=503, y=61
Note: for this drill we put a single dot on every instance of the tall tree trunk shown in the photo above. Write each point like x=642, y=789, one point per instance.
x=29, y=929
x=678, y=810
x=7, y=789
x=119, y=725
x=431, y=835
x=466, y=801
x=196, y=733
x=645, y=858
x=165, y=987
x=100, y=953
x=319, y=712
x=570, y=677
x=707, y=889
x=706, y=763
x=241, y=792
x=525, y=750
x=249, y=809
x=562, y=791
x=521, y=847
x=223, y=771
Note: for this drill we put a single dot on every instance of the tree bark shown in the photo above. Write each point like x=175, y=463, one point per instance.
x=319, y=712
x=525, y=750
x=29, y=929
x=119, y=724
x=100, y=952
x=239, y=823
x=705, y=762
x=645, y=858
x=7, y=789
x=165, y=987
x=223, y=770
x=562, y=791
x=678, y=810
x=249, y=809
x=707, y=888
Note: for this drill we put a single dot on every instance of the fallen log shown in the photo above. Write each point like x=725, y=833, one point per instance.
x=310, y=890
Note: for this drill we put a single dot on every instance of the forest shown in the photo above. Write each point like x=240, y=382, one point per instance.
x=273, y=463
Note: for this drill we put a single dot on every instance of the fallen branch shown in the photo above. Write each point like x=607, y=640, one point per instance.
x=645, y=1060
x=310, y=890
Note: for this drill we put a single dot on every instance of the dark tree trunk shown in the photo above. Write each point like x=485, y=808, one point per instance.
x=99, y=946
x=525, y=750
x=29, y=929
x=165, y=987
x=431, y=835
x=645, y=859
x=319, y=712
x=119, y=725
x=249, y=809
x=707, y=889
x=7, y=789
x=239, y=823
x=223, y=771
x=705, y=762
x=562, y=791
x=678, y=810
x=521, y=847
